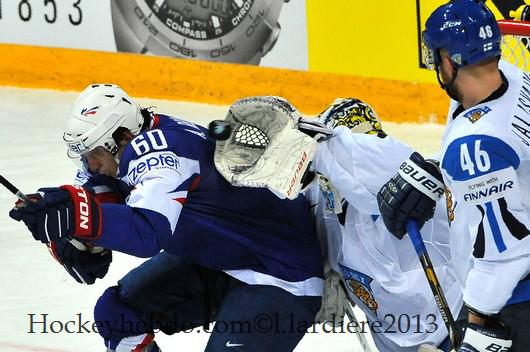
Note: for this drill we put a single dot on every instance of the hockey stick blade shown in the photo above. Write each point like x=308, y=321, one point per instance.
x=434, y=283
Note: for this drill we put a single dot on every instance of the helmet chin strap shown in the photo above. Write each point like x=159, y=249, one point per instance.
x=449, y=87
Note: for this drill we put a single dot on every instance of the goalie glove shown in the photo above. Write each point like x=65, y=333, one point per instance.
x=68, y=211
x=85, y=266
x=411, y=194
x=264, y=147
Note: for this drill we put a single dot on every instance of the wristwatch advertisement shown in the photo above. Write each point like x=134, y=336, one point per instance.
x=240, y=31
x=270, y=33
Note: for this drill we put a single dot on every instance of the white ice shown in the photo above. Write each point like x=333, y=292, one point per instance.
x=32, y=155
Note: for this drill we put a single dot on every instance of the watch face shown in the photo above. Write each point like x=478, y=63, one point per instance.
x=201, y=19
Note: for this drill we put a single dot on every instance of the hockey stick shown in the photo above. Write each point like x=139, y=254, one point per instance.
x=23, y=197
x=434, y=283
x=351, y=316
x=14, y=190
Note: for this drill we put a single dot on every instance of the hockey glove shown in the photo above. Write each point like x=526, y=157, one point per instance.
x=264, y=148
x=68, y=211
x=485, y=339
x=411, y=194
x=84, y=266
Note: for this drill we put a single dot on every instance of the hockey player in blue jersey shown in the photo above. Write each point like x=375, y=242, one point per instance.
x=229, y=254
x=484, y=166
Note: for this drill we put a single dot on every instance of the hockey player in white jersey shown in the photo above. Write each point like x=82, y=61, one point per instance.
x=485, y=168
x=383, y=275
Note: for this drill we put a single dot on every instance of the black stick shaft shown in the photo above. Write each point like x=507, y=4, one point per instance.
x=434, y=283
x=13, y=189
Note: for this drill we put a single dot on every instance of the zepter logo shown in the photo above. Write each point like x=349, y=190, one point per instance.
x=240, y=31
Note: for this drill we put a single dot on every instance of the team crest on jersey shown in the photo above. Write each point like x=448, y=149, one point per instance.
x=359, y=284
x=475, y=114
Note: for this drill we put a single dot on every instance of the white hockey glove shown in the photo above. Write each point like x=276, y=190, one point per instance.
x=486, y=339
x=335, y=303
x=262, y=146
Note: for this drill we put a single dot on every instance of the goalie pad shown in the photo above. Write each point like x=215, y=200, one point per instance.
x=265, y=148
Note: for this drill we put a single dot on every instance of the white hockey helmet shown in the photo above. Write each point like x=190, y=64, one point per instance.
x=353, y=113
x=96, y=114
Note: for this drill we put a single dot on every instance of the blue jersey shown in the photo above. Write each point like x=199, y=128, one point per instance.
x=178, y=202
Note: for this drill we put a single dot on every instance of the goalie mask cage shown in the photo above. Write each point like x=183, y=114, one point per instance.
x=516, y=43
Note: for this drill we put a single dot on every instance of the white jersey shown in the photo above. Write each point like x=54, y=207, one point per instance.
x=383, y=274
x=486, y=167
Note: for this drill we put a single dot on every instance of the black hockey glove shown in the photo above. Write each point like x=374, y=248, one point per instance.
x=411, y=194
x=84, y=266
x=68, y=211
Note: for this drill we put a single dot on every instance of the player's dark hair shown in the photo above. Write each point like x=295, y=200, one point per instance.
x=147, y=114
x=120, y=132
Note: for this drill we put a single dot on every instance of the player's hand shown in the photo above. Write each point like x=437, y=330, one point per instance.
x=84, y=266
x=68, y=211
x=485, y=339
x=411, y=194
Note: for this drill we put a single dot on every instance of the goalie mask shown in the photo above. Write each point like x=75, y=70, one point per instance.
x=98, y=112
x=358, y=116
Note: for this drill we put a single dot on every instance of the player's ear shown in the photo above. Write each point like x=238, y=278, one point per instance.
x=445, y=58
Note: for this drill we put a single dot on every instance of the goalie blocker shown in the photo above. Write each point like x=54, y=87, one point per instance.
x=261, y=145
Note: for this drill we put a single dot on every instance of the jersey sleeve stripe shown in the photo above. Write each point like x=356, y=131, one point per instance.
x=494, y=226
x=516, y=228
x=480, y=241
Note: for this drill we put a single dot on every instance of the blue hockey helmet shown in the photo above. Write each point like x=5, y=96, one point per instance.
x=467, y=29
